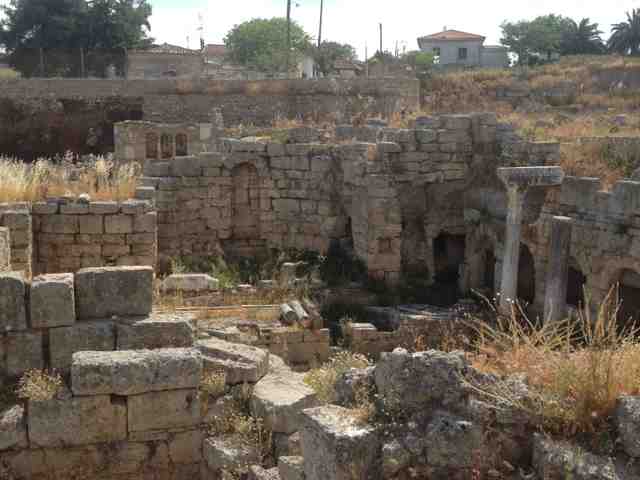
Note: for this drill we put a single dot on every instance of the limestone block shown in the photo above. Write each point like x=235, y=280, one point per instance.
x=452, y=442
x=74, y=208
x=118, y=224
x=163, y=410
x=91, y=224
x=135, y=372
x=13, y=289
x=145, y=223
x=84, y=336
x=155, y=331
x=67, y=420
x=241, y=363
x=421, y=380
x=45, y=208
x=156, y=169
x=59, y=224
x=103, y=208
x=189, y=283
x=627, y=418
x=291, y=468
x=185, y=167
x=108, y=291
x=186, y=447
x=23, y=352
x=228, y=453
x=279, y=400
x=426, y=136
x=13, y=429
x=52, y=301
x=337, y=448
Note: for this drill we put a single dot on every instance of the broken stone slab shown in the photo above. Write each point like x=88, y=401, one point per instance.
x=52, y=301
x=13, y=428
x=288, y=315
x=13, y=290
x=190, y=283
x=155, y=331
x=241, y=363
x=163, y=410
x=302, y=317
x=279, y=400
x=99, y=335
x=228, y=453
x=453, y=442
x=135, y=372
x=114, y=291
x=553, y=460
x=291, y=468
x=627, y=419
x=65, y=420
x=336, y=447
x=256, y=472
x=416, y=381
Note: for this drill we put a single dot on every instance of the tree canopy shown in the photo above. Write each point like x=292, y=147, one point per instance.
x=103, y=28
x=262, y=44
x=625, y=36
x=328, y=53
x=549, y=35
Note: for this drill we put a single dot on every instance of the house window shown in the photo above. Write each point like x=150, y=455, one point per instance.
x=436, y=51
x=462, y=54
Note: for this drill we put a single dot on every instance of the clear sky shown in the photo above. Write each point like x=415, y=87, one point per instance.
x=356, y=21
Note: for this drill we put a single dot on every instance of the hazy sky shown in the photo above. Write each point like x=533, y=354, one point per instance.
x=356, y=21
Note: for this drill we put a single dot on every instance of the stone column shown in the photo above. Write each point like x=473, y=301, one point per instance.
x=518, y=180
x=511, y=258
x=555, y=296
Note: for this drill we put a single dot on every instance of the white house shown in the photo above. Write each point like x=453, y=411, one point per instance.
x=453, y=47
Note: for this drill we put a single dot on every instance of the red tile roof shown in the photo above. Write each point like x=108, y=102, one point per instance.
x=452, y=35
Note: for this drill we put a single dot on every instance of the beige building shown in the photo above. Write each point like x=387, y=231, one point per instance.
x=164, y=61
x=456, y=48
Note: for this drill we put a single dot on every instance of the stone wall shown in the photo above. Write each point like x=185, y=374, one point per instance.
x=73, y=113
x=5, y=249
x=73, y=235
x=17, y=218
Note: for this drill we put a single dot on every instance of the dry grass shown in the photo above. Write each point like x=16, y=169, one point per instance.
x=575, y=370
x=39, y=385
x=323, y=379
x=100, y=179
x=214, y=384
x=8, y=74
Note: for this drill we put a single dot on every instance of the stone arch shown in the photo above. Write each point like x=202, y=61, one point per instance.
x=526, y=276
x=576, y=281
x=151, y=147
x=166, y=145
x=245, y=203
x=629, y=296
x=448, y=258
x=182, y=145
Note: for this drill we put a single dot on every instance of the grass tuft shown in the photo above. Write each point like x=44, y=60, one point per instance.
x=39, y=385
x=323, y=379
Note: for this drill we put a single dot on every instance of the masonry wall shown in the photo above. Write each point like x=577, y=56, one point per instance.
x=17, y=218
x=72, y=235
x=5, y=249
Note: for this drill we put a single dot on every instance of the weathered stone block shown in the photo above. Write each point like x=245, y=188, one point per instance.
x=67, y=420
x=189, y=283
x=229, y=453
x=627, y=418
x=145, y=223
x=91, y=224
x=85, y=336
x=52, y=301
x=108, y=291
x=452, y=442
x=241, y=363
x=118, y=224
x=13, y=315
x=186, y=447
x=162, y=410
x=291, y=468
x=23, y=352
x=135, y=372
x=13, y=429
x=279, y=400
x=103, y=208
x=156, y=331
x=337, y=448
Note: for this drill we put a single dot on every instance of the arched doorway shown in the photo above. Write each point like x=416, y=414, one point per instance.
x=526, y=276
x=629, y=294
x=488, y=277
x=448, y=256
x=575, y=287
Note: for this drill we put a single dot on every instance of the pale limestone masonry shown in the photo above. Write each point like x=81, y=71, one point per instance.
x=17, y=218
x=5, y=249
x=73, y=235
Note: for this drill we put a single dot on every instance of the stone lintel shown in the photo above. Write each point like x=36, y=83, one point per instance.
x=525, y=177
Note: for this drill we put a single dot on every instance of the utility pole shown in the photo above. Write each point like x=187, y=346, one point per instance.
x=288, y=37
x=381, y=40
x=366, y=59
x=320, y=29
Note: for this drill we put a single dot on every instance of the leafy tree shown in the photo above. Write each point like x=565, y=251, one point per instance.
x=516, y=36
x=421, y=62
x=625, y=36
x=62, y=27
x=545, y=34
x=262, y=44
x=581, y=38
x=328, y=53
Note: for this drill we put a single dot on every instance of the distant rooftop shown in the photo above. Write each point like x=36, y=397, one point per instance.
x=215, y=50
x=167, y=48
x=452, y=35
